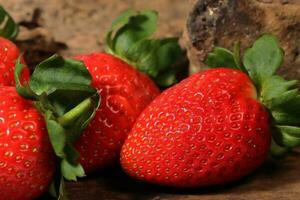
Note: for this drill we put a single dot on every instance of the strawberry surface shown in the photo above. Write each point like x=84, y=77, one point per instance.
x=9, y=53
x=27, y=161
x=124, y=92
x=208, y=129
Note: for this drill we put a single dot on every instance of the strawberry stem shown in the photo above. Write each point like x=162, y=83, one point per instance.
x=69, y=117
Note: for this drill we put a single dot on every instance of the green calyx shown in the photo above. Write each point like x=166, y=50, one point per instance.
x=131, y=39
x=61, y=90
x=8, y=28
x=281, y=97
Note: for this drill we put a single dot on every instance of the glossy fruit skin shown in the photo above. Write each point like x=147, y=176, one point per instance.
x=9, y=54
x=27, y=162
x=206, y=130
x=124, y=92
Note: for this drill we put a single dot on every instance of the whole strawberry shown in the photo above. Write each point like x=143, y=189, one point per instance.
x=27, y=160
x=125, y=89
x=208, y=129
x=124, y=92
x=215, y=126
x=9, y=52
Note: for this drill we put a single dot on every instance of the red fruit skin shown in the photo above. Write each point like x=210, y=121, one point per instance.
x=9, y=53
x=206, y=130
x=124, y=92
x=27, y=162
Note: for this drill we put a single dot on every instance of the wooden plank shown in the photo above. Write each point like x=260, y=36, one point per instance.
x=278, y=180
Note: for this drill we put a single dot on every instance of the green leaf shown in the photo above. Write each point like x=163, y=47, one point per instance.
x=123, y=19
x=56, y=73
x=57, y=134
x=143, y=56
x=119, y=22
x=282, y=98
x=287, y=136
x=292, y=105
x=131, y=27
x=70, y=168
x=155, y=57
x=275, y=86
x=263, y=59
x=283, y=117
x=288, y=112
x=130, y=39
x=168, y=53
x=221, y=57
x=24, y=90
x=276, y=91
x=8, y=28
x=71, y=171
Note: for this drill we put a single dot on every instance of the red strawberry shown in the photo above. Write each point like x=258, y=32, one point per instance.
x=125, y=89
x=209, y=129
x=124, y=92
x=9, y=53
x=27, y=161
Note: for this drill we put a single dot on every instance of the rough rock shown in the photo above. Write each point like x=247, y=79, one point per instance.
x=222, y=22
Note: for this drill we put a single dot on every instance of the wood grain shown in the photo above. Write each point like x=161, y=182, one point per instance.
x=278, y=180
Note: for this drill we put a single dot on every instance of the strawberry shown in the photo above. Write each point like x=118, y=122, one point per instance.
x=124, y=92
x=9, y=54
x=215, y=126
x=209, y=129
x=122, y=78
x=27, y=160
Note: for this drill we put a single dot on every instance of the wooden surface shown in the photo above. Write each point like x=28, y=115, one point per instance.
x=275, y=180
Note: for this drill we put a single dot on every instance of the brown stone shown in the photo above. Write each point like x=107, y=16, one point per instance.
x=222, y=22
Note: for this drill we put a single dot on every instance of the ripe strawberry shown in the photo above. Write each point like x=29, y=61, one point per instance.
x=9, y=54
x=124, y=92
x=27, y=162
x=208, y=129
x=214, y=127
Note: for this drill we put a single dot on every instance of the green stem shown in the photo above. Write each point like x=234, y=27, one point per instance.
x=76, y=112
